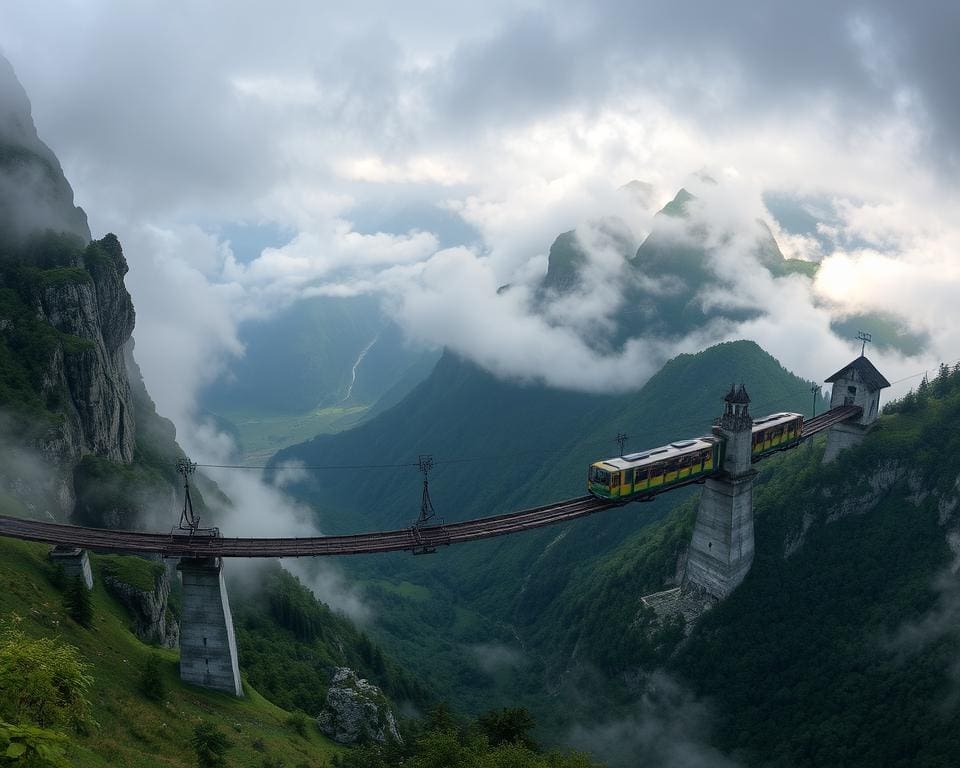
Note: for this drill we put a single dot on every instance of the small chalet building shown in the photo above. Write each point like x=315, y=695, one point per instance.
x=858, y=383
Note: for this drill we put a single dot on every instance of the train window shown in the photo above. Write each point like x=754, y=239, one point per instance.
x=627, y=476
x=615, y=478
x=597, y=475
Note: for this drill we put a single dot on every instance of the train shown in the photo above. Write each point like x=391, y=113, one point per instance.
x=647, y=473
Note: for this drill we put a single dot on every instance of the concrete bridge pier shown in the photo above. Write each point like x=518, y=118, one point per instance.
x=75, y=562
x=721, y=550
x=208, y=646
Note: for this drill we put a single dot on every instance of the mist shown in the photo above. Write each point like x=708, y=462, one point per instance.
x=670, y=728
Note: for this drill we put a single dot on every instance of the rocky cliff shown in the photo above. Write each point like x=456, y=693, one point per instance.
x=77, y=438
x=143, y=587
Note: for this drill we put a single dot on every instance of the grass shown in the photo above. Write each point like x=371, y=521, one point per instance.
x=132, y=730
x=263, y=435
x=135, y=571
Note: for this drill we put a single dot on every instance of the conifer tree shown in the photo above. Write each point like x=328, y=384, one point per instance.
x=78, y=603
x=151, y=679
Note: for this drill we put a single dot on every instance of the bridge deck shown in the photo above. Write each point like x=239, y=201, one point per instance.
x=363, y=543
x=829, y=418
x=404, y=539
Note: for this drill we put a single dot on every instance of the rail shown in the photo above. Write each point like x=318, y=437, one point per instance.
x=419, y=538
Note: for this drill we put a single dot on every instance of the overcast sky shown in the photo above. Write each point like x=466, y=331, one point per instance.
x=431, y=154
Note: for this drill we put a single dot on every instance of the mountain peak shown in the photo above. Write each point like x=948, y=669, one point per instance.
x=677, y=207
x=34, y=193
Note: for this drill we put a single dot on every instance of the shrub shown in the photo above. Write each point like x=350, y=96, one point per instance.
x=78, y=603
x=299, y=722
x=42, y=682
x=151, y=679
x=210, y=745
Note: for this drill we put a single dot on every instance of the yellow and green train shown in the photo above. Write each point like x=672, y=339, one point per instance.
x=644, y=474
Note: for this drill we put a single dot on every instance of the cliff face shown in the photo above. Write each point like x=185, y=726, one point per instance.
x=69, y=433
x=97, y=314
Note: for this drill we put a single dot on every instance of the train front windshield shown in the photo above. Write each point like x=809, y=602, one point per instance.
x=598, y=475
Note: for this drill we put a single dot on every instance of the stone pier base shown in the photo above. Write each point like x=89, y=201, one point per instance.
x=842, y=436
x=208, y=647
x=74, y=562
x=721, y=550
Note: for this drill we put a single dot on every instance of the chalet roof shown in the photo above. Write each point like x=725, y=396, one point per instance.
x=737, y=395
x=868, y=374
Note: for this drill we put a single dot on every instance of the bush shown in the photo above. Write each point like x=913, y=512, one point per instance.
x=210, y=745
x=299, y=722
x=30, y=746
x=78, y=603
x=151, y=679
x=42, y=682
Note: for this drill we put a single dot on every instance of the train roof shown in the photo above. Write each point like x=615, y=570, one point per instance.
x=657, y=454
x=774, y=419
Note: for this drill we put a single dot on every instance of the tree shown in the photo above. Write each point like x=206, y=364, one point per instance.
x=511, y=725
x=151, y=679
x=210, y=745
x=42, y=682
x=78, y=603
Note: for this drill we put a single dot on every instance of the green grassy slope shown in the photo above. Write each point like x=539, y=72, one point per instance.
x=132, y=730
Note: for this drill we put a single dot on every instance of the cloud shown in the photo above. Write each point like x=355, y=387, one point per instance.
x=523, y=121
x=670, y=728
x=496, y=657
x=254, y=507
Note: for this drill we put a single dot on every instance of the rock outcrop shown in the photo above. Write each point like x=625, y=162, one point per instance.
x=356, y=711
x=149, y=608
x=89, y=305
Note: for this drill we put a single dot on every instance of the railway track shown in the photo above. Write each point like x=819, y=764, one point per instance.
x=423, y=538
x=171, y=545
x=828, y=419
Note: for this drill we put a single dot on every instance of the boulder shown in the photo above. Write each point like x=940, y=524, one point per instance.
x=356, y=711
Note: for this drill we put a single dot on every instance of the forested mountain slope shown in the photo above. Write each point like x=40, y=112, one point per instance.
x=840, y=647
x=527, y=445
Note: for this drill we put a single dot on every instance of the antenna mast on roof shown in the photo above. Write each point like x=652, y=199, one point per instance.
x=866, y=338
x=622, y=441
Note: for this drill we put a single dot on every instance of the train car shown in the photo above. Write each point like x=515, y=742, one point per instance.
x=775, y=433
x=639, y=475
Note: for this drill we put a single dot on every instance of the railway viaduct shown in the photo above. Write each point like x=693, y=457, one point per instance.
x=719, y=556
